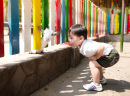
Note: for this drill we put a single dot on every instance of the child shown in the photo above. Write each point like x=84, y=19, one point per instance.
x=100, y=55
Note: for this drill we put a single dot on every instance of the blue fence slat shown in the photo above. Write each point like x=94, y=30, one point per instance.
x=62, y=35
x=108, y=23
x=13, y=14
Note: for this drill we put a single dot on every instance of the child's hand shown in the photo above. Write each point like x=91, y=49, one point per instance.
x=93, y=58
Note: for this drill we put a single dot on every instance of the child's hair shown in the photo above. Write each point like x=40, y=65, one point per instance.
x=79, y=30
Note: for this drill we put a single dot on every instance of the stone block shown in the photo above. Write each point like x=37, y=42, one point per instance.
x=30, y=66
x=30, y=84
x=75, y=57
x=14, y=85
x=5, y=76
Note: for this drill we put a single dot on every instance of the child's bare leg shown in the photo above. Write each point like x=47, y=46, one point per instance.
x=95, y=71
x=101, y=73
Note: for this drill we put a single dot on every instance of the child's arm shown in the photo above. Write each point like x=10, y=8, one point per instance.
x=98, y=53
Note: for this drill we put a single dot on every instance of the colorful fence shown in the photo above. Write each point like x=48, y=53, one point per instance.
x=58, y=15
x=116, y=26
x=114, y=22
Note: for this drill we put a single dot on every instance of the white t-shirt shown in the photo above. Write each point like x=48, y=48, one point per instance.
x=89, y=48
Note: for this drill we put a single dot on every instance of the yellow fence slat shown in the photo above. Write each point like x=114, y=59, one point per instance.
x=116, y=24
x=36, y=23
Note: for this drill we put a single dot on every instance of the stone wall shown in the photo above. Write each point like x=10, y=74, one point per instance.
x=23, y=74
x=117, y=37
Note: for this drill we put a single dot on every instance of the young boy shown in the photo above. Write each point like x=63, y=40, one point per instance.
x=100, y=55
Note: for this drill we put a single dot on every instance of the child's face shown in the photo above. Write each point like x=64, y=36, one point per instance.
x=75, y=40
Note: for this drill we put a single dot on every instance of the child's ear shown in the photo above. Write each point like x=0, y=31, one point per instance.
x=81, y=38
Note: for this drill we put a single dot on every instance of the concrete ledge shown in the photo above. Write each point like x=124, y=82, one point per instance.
x=116, y=38
x=23, y=74
x=101, y=38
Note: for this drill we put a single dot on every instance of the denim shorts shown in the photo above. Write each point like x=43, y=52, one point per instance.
x=109, y=60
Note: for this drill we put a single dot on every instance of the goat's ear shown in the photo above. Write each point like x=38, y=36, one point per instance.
x=55, y=33
x=40, y=29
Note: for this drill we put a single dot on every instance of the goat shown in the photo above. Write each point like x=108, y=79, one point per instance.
x=48, y=33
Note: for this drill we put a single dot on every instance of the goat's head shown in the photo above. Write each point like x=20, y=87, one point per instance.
x=48, y=33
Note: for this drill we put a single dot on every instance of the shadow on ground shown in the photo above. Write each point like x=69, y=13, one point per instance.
x=117, y=85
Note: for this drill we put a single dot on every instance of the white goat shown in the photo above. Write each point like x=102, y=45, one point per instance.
x=48, y=33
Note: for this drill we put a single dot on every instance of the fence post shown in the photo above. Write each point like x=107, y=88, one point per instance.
x=99, y=14
x=112, y=16
x=79, y=11
x=73, y=11
x=125, y=25
x=13, y=9
x=26, y=25
x=85, y=12
x=70, y=13
x=108, y=23
x=66, y=20
x=58, y=18
x=76, y=11
x=98, y=21
x=36, y=23
x=94, y=33
x=88, y=17
x=95, y=20
x=52, y=20
x=45, y=14
x=92, y=19
x=122, y=26
x=104, y=24
x=120, y=23
x=128, y=23
x=1, y=30
x=116, y=23
x=62, y=35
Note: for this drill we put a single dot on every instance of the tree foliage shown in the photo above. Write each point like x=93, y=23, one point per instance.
x=107, y=3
